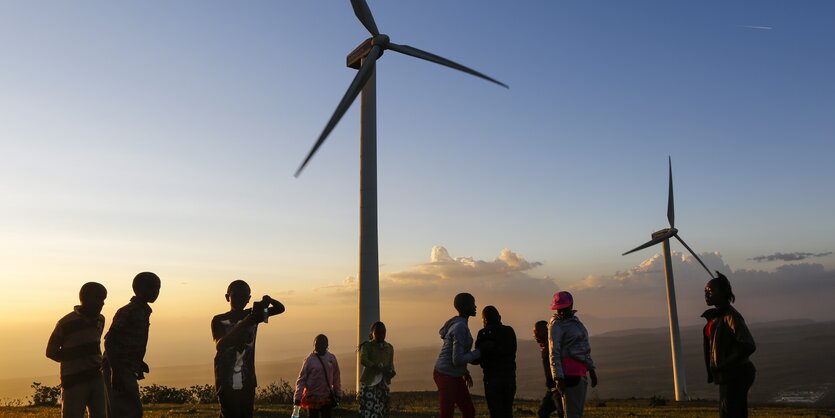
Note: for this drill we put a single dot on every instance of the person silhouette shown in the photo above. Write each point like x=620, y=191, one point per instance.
x=75, y=343
x=125, y=343
x=234, y=335
x=570, y=356
x=547, y=406
x=451, y=375
x=377, y=360
x=497, y=343
x=727, y=346
x=318, y=387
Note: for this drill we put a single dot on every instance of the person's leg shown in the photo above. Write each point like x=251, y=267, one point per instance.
x=575, y=397
x=247, y=402
x=461, y=395
x=74, y=400
x=313, y=413
x=446, y=397
x=96, y=401
x=508, y=396
x=493, y=396
x=326, y=412
x=736, y=395
x=723, y=400
x=547, y=406
x=124, y=403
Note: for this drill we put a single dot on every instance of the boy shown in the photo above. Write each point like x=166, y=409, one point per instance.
x=124, y=349
x=76, y=344
x=451, y=375
x=234, y=335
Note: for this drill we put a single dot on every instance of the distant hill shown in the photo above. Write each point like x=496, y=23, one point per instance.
x=794, y=363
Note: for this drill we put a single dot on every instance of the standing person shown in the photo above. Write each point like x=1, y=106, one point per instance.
x=497, y=344
x=548, y=405
x=234, y=336
x=451, y=375
x=76, y=344
x=377, y=359
x=318, y=388
x=123, y=362
x=727, y=346
x=570, y=356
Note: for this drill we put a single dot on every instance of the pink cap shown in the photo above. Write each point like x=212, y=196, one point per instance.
x=562, y=300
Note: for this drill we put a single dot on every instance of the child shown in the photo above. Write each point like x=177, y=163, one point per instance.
x=570, y=356
x=234, y=335
x=451, y=375
x=76, y=344
x=124, y=349
x=318, y=388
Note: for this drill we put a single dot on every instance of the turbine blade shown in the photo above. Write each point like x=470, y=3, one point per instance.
x=694, y=255
x=363, y=13
x=417, y=53
x=354, y=89
x=671, y=212
x=649, y=243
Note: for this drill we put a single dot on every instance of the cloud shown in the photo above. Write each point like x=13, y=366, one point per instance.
x=795, y=256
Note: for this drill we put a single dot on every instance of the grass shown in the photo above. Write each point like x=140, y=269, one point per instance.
x=424, y=405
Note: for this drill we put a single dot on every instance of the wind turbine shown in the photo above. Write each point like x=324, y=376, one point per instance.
x=363, y=58
x=663, y=236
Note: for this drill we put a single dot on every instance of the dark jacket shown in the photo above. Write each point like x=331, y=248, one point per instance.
x=125, y=342
x=497, y=344
x=729, y=346
x=546, y=365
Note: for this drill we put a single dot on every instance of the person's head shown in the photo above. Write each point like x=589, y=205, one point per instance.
x=540, y=332
x=490, y=316
x=320, y=344
x=465, y=304
x=146, y=286
x=563, y=303
x=238, y=295
x=92, y=296
x=718, y=291
x=378, y=332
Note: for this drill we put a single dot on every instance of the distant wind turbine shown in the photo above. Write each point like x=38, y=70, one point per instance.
x=663, y=236
x=364, y=57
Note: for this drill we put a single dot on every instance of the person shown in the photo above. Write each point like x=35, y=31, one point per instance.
x=547, y=406
x=569, y=356
x=451, y=375
x=75, y=343
x=727, y=347
x=497, y=343
x=318, y=388
x=234, y=335
x=377, y=360
x=125, y=343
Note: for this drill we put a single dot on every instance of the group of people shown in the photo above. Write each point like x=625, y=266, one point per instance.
x=106, y=384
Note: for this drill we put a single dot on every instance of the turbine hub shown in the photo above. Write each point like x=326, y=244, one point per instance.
x=382, y=40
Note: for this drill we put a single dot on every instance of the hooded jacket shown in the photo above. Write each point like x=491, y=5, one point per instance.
x=455, y=353
x=312, y=384
x=729, y=346
x=568, y=338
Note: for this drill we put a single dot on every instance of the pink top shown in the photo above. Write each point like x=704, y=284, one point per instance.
x=573, y=367
x=311, y=386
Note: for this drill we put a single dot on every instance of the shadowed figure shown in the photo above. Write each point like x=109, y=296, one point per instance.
x=547, y=406
x=377, y=360
x=727, y=346
x=451, y=375
x=569, y=356
x=497, y=343
x=319, y=386
x=123, y=362
x=76, y=344
x=234, y=335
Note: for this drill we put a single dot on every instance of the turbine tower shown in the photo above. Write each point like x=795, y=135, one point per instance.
x=364, y=58
x=663, y=236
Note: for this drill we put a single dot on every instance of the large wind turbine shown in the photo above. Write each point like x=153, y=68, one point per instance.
x=663, y=236
x=364, y=57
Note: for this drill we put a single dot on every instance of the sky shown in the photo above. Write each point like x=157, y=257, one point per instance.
x=163, y=136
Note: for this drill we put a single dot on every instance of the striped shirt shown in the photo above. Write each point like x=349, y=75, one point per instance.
x=76, y=344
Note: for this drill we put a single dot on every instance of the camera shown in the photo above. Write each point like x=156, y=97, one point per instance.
x=260, y=309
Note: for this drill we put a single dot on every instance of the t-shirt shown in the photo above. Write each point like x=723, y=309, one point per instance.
x=235, y=365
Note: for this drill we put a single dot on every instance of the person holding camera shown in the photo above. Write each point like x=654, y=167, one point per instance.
x=234, y=335
x=318, y=388
x=377, y=360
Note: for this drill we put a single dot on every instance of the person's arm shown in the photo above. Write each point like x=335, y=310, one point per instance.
x=234, y=336
x=743, y=338
x=555, y=352
x=275, y=308
x=337, y=382
x=301, y=383
x=479, y=345
x=55, y=344
x=460, y=352
x=365, y=358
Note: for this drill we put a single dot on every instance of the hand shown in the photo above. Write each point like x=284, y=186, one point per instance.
x=469, y=380
x=593, y=376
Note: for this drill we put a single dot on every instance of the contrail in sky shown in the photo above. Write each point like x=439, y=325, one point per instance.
x=756, y=27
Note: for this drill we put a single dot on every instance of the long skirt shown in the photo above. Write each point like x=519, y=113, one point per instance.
x=374, y=400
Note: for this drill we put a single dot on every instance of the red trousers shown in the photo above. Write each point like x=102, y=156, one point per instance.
x=453, y=391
